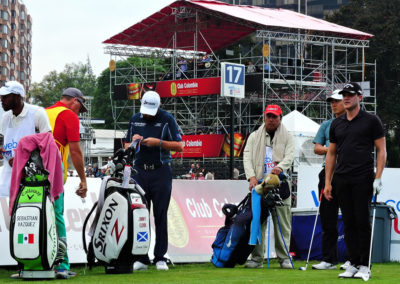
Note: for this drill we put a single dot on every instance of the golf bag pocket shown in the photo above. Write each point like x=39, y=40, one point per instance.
x=33, y=234
x=141, y=229
x=111, y=231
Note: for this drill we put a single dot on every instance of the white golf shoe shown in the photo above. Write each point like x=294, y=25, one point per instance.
x=139, y=266
x=349, y=273
x=161, y=265
x=324, y=266
x=363, y=272
x=345, y=265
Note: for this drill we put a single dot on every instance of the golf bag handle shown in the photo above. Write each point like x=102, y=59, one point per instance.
x=84, y=227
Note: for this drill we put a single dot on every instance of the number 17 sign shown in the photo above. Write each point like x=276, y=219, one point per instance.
x=232, y=80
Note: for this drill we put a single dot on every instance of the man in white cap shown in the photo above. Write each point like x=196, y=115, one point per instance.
x=20, y=119
x=328, y=210
x=158, y=132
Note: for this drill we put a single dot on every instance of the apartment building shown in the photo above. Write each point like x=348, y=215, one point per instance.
x=16, y=42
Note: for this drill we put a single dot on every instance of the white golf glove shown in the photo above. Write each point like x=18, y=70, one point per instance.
x=377, y=186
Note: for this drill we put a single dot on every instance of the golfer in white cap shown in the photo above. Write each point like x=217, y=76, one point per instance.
x=158, y=132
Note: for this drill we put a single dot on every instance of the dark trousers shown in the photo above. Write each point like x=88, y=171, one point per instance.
x=354, y=197
x=158, y=185
x=328, y=211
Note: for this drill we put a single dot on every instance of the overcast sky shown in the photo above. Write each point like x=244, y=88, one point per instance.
x=69, y=31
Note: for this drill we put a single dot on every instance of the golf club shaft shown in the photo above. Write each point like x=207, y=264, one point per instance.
x=372, y=232
x=315, y=224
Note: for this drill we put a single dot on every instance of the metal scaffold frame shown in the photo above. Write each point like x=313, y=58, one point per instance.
x=303, y=70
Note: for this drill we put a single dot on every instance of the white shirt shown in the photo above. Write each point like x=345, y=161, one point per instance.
x=41, y=119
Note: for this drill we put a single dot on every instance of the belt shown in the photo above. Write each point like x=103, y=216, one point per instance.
x=151, y=167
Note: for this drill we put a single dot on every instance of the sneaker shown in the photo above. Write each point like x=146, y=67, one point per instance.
x=161, y=265
x=349, y=273
x=139, y=266
x=363, y=272
x=253, y=264
x=324, y=266
x=62, y=250
x=345, y=265
x=64, y=274
x=16, y=275
x=286, y=264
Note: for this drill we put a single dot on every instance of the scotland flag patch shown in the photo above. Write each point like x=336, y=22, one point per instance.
x=142, y=237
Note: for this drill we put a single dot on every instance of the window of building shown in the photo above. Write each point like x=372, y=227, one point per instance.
x=12, y=51
x=13, y=13
x=28, y=71
x=12, y=65
x=4, y=57
x=22, y=15
x=13, y=26
x=13, y=40
x=4, y=29
x=28, y=37
x=28, y=83
x=4, y=71
x=22, y=27
x=22, y=75
x=22, y=40
x=12, y=78
x=4, y=15
x=4, y=43
x=22, y=65
x=5, y=2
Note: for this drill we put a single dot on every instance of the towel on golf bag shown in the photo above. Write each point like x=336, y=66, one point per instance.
x=231, y=245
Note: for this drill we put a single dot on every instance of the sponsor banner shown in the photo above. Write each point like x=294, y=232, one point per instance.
x=307, y=197
x=188, y=87
x=207, y=145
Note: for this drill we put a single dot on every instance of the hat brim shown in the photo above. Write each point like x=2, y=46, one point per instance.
x=277, y=113
x=149, y=111
x=4, y=91
x=83, y=106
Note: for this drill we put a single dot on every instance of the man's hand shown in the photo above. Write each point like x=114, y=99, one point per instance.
x=11, y=162
x=151, y=142
x=377, y=186
x=1, y=152
x=252, y=183
x=82, y=190
x=276, y=171
x=328, y=192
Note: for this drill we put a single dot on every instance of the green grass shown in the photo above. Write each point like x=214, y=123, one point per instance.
x=206, y=273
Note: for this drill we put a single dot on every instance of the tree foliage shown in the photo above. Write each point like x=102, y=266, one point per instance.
x=49, y=90
x=382, y=19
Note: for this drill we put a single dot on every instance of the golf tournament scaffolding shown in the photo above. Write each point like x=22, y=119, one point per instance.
x=298, y=63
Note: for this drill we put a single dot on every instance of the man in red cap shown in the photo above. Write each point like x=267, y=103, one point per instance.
x=270, y=149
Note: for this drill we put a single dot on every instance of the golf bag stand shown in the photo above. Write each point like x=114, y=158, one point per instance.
x=120, y=232
x=34, y=241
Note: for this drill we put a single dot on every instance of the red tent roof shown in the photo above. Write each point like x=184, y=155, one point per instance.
x=221, y=25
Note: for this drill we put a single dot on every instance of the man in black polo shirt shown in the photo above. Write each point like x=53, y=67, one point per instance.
x=158, y=132
x=350, y=157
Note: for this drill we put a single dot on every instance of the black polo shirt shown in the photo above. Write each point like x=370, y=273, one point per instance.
x=162, y=126
x=355, y=143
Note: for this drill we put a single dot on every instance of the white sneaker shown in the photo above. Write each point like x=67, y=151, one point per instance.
x=286, y=264
x=161, y=265
x=349, y=273
x=253, y=264
x=139, y=266
x=363, y=272
x=324, y=266
x=345, y=265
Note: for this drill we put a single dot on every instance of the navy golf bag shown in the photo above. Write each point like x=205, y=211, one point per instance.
x=120, y=232
x=231, y=245
x=34, y=241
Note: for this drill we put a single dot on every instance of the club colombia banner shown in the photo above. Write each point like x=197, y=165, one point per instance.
x=210, y=145
x=194, y=217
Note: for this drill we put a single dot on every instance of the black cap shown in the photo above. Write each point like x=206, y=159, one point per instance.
x=352, y=88
x=76, y=93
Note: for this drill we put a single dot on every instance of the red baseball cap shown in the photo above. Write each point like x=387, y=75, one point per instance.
x=274, y=109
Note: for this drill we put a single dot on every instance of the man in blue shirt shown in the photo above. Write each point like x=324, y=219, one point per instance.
x=328, y=210
x=158, y=133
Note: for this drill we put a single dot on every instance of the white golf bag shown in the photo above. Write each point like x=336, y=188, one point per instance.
x=121, y=228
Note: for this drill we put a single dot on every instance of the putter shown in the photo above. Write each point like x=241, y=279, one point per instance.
x=312, y=236
x=366, y=278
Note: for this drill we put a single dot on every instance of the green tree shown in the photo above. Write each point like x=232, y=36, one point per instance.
x=382, y=19
x=49, y=90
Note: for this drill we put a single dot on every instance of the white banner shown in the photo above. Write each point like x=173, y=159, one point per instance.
x=307, y=197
